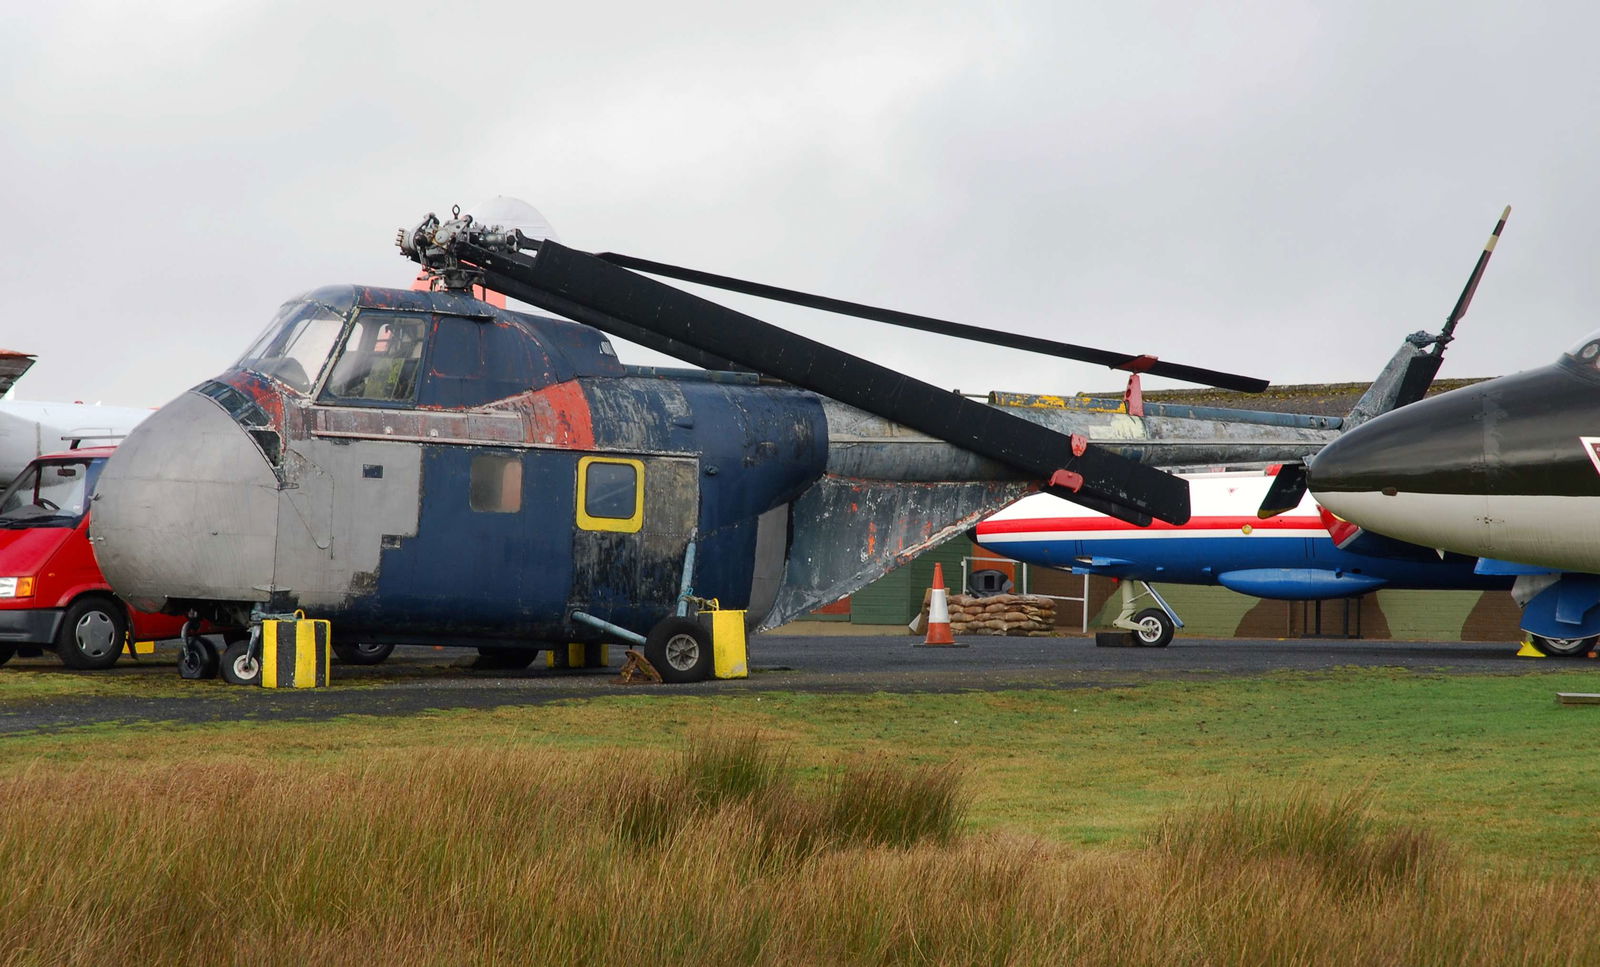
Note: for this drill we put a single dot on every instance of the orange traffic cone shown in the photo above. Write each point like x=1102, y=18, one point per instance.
x=939, y=612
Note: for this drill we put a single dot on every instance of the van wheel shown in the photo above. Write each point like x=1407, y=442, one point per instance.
x=6, y=651
x=365, y=653
x=680, y=649
x=239, y=667
x=92, y=635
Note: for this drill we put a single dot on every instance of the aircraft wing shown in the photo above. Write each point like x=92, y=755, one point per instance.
x=12, y=366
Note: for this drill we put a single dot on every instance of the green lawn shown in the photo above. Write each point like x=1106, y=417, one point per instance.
x=1491, y=763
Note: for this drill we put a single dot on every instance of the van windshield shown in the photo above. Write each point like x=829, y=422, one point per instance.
x=47, y=495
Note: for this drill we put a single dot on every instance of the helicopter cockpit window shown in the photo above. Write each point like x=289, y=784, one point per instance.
x=380, y=359
x=295, y=345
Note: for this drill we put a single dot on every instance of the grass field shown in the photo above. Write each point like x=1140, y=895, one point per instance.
x=1358, y=815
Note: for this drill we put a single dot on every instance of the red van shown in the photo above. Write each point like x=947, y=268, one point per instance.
x=52, y=594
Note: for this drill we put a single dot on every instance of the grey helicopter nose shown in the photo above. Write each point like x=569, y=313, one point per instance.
x=187, y=508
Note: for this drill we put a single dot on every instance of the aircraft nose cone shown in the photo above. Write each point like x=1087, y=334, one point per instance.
x=186, y=508
x=1432, y=446
x=1425, y=472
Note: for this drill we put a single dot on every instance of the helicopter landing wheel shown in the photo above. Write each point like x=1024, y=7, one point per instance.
x=680, y=649
x=197, y=657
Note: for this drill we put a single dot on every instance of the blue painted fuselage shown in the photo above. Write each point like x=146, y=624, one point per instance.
x=1291, y=557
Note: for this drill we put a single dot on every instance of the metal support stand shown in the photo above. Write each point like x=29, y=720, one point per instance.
x=686, y=585
x=631, y=637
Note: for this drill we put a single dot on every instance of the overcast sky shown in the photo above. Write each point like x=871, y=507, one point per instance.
x=1277, y=188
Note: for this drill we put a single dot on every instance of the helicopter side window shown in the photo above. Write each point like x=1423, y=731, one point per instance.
x=295, y=345
x=610, y=494
x=496, y=484
x=380, y=359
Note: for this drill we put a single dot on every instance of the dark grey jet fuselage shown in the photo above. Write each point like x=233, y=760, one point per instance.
x=1506, y=470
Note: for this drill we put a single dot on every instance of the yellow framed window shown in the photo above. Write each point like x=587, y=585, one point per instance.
x=610, y=494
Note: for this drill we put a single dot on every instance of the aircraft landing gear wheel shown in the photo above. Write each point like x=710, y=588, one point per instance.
x=92, y=634
x=680, y=649
x=6, y=651
x=1564, y=647
x=364, y=653
x=197, y=658
x=239, y=667
x=1155, y=628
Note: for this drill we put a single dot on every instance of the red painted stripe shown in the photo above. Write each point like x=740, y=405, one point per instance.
x=1071, y=524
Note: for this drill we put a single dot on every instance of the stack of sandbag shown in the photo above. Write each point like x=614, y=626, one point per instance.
x=1001, y=614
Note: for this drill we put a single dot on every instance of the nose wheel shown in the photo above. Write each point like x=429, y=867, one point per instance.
x=240, y=665
x=197, y=657
x=1155, y=628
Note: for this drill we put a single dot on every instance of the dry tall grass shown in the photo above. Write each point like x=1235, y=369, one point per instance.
x=719, y=857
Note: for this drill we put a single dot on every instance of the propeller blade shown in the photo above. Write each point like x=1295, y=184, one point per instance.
x=1287, y=490
x=1048, y=347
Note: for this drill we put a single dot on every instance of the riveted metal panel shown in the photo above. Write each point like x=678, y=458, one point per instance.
x=848, y=533
x=335, y=516
x=187, y=506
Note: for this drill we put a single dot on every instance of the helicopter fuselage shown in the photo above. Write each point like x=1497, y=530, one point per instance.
x=423, y=465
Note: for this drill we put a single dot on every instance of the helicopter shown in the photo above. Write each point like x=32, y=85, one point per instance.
x=425, y=467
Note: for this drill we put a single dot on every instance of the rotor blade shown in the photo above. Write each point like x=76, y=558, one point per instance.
x=1048, y=347
x=1471, y=288
x=1418, y=377
x=1287, y=490
x=589, y=290
x=1421, y=370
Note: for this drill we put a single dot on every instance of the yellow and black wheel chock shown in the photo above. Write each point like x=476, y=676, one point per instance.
x=296, y=652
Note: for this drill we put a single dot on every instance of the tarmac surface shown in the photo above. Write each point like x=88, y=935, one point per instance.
x=418, y=679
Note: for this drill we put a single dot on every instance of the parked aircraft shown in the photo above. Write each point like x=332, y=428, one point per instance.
x=424, y=467
x=1506, y=470
x=1290, y=557
x=30, y=429
x=1256, y=534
